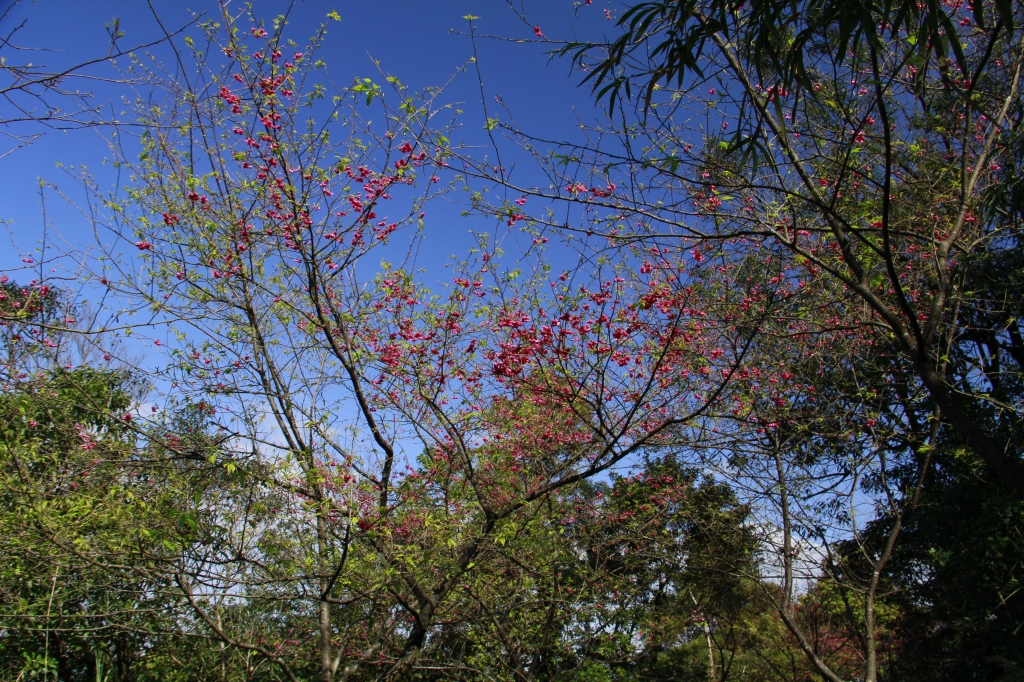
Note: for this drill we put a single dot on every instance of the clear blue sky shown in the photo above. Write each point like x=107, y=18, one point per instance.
x=413, y=40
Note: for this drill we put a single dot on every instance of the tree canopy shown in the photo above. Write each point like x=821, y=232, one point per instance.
x=733, y=391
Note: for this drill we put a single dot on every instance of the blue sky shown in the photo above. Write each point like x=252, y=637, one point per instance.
x=415, y=41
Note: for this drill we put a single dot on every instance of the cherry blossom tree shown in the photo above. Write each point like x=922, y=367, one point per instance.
x=393, y=434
